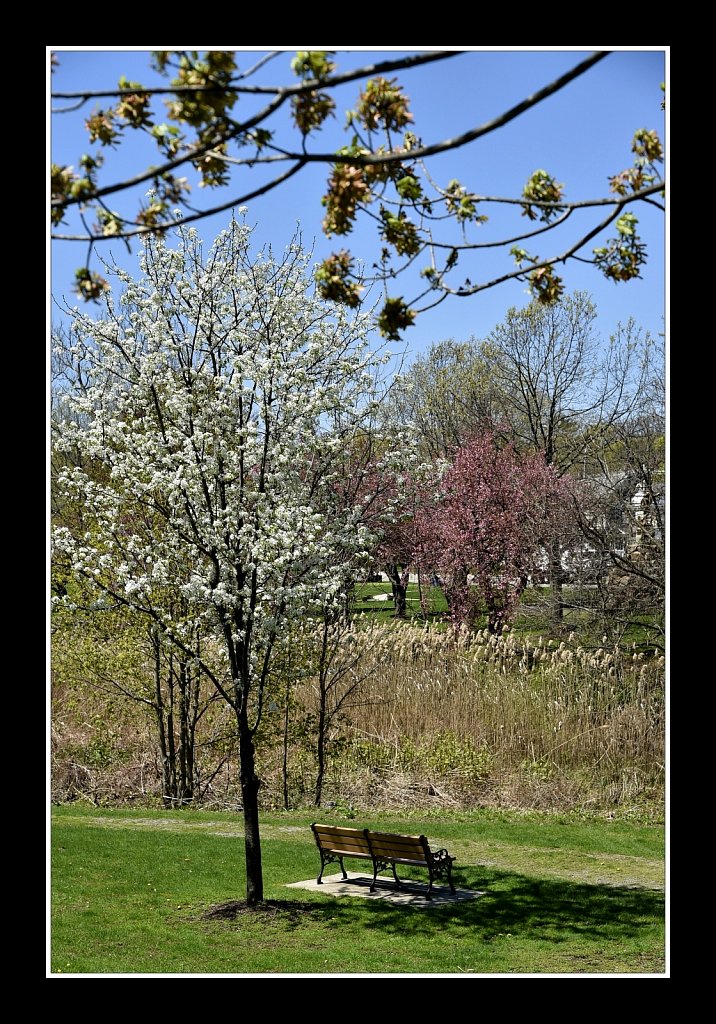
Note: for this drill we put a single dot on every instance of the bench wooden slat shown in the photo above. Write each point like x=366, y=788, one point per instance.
x=341, y=837
x=384, y=844
x=337, y=830
x=349, y=849
x=349, y=841
x=398, y=837
x=403, y=860
x=399, y=853
x=388, y=853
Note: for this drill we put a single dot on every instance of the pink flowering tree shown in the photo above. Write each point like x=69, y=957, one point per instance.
x=493, y=514
x=390, y=496
x=393, y=515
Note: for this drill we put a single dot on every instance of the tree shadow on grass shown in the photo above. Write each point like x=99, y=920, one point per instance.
x=547, y=909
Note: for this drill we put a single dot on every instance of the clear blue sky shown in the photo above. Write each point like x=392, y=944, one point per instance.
x=581, y=135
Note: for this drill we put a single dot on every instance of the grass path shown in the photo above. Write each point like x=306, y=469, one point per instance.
x=595, y=868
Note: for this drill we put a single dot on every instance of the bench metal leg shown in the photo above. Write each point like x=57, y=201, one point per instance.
x=379, y=863
x=319, y=880
x=452, y=887
x=440, y=866
x=330, y=858
x=398, y=883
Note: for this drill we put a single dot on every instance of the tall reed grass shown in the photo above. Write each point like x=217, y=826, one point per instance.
x=470, y=714
x=433, y=717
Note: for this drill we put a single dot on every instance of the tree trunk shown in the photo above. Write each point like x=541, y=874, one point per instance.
x=556, y=579
x=321, y=747
x=399, y=590
x=250, y=795
x=348, y=596
x=176, y=708
x=284, y=765
x=161, y=730
x=184, y=751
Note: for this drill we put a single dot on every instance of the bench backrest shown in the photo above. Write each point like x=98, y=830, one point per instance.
x=343, y=840
x=389, y=845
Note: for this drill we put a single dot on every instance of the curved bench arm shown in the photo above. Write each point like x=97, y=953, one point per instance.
x=440, y=855
x=441, y=867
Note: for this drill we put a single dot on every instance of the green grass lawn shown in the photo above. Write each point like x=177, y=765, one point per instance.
x=384, y=611
x=533, y=618
x=561, y=895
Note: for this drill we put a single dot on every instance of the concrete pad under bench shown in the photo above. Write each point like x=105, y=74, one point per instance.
x=412, y=894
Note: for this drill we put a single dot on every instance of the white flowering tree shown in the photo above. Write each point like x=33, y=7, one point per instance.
x=209, y=407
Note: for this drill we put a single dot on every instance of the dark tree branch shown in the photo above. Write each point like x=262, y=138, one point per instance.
x=186, y=220
x=192, y=153
x=567, y=207
x=505, y=241
x=658, y=186
x=460, y=140
x=360, y=161
x=331, y=82
x=68, y=110
x=659, y=206
x=260, y=63
x=474, y=289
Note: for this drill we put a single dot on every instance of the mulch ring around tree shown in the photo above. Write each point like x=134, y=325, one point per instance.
x=268, y=910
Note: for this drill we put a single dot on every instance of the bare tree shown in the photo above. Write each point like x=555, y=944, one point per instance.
x=111, y=652
x=446, y=397
x=561, y=391
x=622, y=509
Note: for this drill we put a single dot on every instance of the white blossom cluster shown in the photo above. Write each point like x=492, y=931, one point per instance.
x=202, y=433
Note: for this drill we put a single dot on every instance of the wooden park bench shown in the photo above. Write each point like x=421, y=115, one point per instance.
x=383, y=849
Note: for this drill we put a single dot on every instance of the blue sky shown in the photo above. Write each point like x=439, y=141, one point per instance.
x=581, y=135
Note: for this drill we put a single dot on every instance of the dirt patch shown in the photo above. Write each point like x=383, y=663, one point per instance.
x=269, y=910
